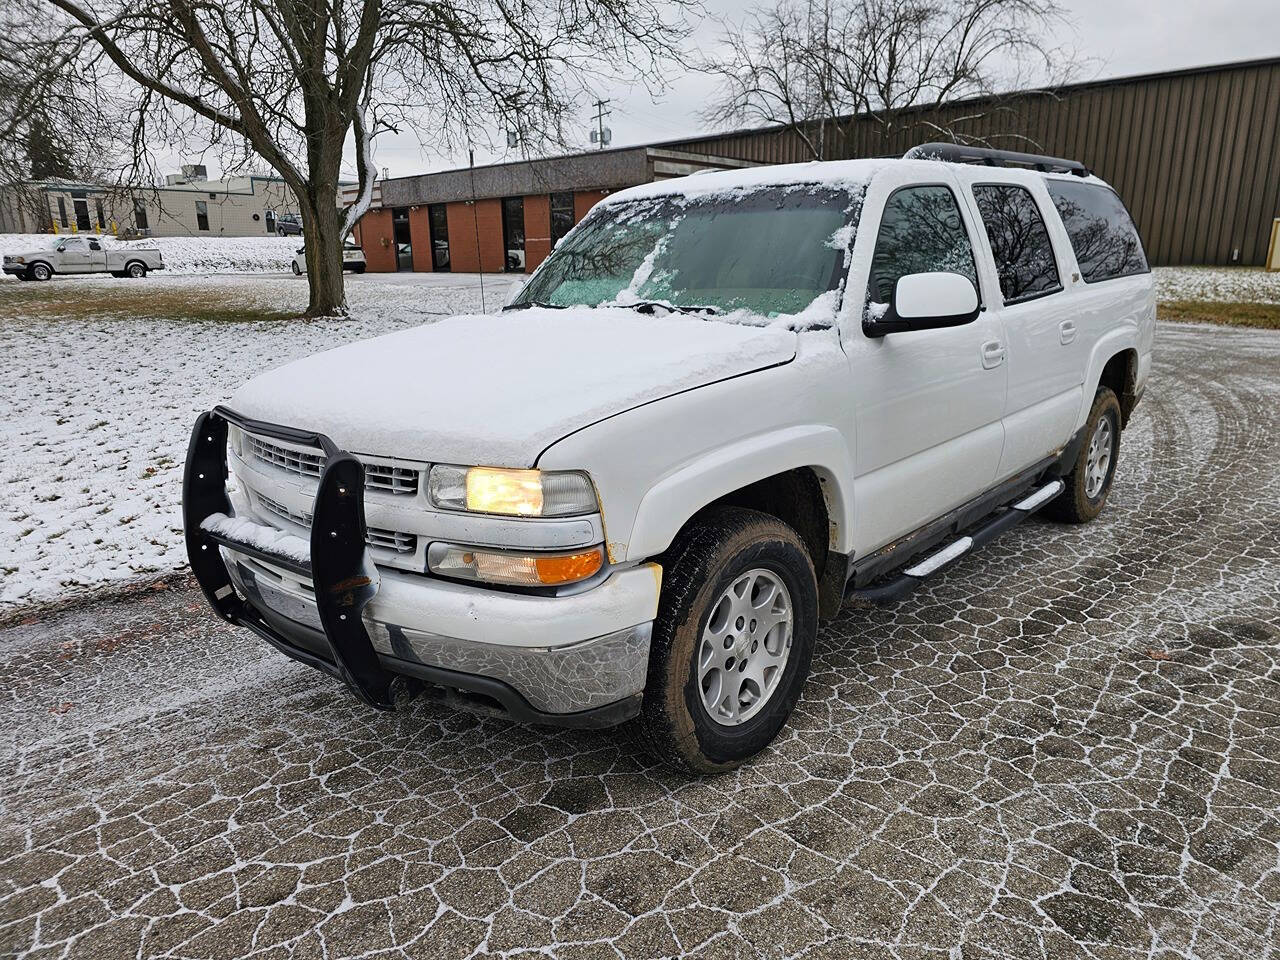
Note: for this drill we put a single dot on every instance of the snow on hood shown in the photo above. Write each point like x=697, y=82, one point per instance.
x=498, y=390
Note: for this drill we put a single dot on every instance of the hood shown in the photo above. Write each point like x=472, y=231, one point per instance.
x=498, y=390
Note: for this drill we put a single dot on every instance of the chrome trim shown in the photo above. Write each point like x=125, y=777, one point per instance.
x=562, y=679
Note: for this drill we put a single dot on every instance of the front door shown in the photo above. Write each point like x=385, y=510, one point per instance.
x=928, y=402
x=76, y=256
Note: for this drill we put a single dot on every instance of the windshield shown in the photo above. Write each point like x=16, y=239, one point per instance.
x=770, y=251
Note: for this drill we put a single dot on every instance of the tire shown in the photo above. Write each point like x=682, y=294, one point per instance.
x=297, y=271
x=40, y=271
x=135, y=270
x=22, y=276
x=713, y=556
x=1089, y=482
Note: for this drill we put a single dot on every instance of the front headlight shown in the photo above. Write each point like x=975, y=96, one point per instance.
x=515, y=493
x=19, y=259
x=516, y=569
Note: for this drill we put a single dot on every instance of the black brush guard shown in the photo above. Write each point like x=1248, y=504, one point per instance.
x=340, y=569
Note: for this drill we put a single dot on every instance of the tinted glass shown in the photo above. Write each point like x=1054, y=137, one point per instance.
x=1102, y=233
x=513, y=232
x=920, y=232
x=439, y=236
x=771, y=251
x=1019, y=242
x=561, y=215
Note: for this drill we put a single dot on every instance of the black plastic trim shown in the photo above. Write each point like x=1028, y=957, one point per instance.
x=342, y=574
x=961, y=153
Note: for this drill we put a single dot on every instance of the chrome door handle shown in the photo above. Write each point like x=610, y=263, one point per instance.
x=1066, y=331
x=992, y=354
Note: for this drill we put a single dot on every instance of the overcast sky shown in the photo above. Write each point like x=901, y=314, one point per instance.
x=1118, y=37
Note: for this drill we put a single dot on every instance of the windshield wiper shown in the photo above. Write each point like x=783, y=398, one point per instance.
x=651, y=306
x=533, y=303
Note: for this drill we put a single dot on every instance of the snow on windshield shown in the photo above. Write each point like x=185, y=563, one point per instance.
x=757, y=252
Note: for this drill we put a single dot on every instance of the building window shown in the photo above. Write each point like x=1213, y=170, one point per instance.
x=438, y=216
x=513, y=233
x=82, y=214
x=403, y=238
x=202, y=215
x=102, y=218
x=561, y=216
x=140, y=214
x=270, y=217
x=62, y=211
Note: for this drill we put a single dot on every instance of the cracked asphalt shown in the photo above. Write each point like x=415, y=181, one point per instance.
x=1066, y=746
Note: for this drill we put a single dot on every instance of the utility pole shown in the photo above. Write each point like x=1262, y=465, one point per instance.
x=600, y=135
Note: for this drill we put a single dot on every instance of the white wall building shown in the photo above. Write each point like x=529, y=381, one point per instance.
x=186, y=206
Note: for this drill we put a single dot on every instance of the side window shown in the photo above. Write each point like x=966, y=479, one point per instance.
x=94, y=245
x=1019, y=242
x=921, y=231
x=1101, y=231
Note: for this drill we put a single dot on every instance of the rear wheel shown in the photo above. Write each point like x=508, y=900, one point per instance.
x=1089, y=482
x=732, y=643
x=136, y=270
x=297, y=270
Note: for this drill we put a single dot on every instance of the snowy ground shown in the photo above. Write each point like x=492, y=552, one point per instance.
x=1222, y=284
x=99, y=410
x=98, y=413
x=188, y=254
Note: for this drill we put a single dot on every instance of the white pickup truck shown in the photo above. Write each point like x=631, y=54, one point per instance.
x=83, y=254
x=723, y=405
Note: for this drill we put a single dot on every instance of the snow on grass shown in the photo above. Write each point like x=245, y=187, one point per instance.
x=1218, y=284
x=98, y=412
x=186, y=255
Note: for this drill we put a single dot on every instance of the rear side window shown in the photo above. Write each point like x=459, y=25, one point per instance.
x=1101, y=231
x=1019, y=242
x=920, y=232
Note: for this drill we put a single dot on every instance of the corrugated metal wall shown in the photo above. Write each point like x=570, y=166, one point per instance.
x=1195, y=154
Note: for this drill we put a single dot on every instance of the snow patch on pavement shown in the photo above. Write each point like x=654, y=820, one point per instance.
x=1218, y=284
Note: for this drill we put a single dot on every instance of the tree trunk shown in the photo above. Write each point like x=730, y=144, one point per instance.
x=322, y=224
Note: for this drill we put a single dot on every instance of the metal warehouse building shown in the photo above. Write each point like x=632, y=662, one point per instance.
x=1194, y=153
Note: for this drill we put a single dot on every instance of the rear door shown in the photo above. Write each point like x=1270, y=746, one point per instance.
x=928, y=402
x=1046, y=356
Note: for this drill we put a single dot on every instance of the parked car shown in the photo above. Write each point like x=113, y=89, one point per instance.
x=352, y=259
x=722, y=405
x=288, y=225
x=83, y=254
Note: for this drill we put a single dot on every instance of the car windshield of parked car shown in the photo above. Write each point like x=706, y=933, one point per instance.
x=770, y=251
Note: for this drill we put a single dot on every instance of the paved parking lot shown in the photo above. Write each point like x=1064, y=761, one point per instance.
x=1067, y=746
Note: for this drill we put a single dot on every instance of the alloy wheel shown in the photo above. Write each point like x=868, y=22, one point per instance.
x=745, y=646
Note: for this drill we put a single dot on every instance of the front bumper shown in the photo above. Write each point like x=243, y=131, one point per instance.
x=576, y=660
x=14, y=268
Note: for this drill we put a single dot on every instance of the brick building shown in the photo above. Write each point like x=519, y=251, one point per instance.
x=1195, y=154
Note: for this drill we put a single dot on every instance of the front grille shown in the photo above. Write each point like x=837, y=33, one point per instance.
x=375, y=536
x=377, y=476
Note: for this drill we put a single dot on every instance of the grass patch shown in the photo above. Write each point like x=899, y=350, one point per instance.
x=1260, y=316
x=133, y=299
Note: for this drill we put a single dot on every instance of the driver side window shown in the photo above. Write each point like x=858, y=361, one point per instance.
x=921, y=231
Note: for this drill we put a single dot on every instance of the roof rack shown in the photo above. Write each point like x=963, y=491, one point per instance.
x=962, y=153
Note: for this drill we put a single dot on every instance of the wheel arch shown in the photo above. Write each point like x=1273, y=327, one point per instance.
x=130, y=262
x=1114, y=364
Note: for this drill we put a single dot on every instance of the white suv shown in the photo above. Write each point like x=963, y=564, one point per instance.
x=722, y=405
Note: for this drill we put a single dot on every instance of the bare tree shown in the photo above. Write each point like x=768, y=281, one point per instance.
x=815, y=65
x=294, y=81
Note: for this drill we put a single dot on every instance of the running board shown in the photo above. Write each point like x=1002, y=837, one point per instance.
x=898, y=586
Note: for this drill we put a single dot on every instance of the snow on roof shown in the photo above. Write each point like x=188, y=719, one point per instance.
x=831, y=173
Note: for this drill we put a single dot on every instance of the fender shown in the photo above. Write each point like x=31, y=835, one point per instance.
x=670, y=502
x=1111, y=343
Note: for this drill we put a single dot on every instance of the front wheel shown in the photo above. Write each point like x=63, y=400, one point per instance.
x=40, y=271
x=732, y=643
x=1089, y=482
x=297, y=270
